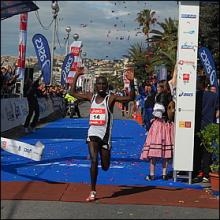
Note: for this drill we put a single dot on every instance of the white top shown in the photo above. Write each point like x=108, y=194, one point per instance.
x=100, y=119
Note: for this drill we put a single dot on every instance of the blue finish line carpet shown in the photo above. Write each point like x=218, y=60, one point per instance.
x=66, y=158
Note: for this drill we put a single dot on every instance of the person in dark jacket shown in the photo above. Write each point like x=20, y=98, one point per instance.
x=207, y=104
x=148, y=106
x=31, y=89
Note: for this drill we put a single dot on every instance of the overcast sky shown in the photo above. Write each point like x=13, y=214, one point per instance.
x=100, y=25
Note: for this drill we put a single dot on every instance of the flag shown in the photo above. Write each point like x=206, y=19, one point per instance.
x=22, y=45
x=209, y=65
x=67, y=63
x=42, y=50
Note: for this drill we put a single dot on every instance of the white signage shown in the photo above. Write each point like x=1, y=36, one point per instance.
x=32, y=152
x=186, y=85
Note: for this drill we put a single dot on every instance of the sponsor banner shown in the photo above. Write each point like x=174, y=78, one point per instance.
x=67, y=63
x=209, y=65
x=190, y=16
x=15, y=110
x=42, y=50
x=186, y=85
x=185, y=124
x=75, y=49
x=22, y=46
x=97, y=111
x=23, y=149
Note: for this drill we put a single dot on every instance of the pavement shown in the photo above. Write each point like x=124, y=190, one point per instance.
x=110, y=207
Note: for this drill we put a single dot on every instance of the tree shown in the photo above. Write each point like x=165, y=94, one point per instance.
x=165, y=43
x=209, y=28
x=146, y=19
x=137, y=54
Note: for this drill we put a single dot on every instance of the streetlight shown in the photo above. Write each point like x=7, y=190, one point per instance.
x=68, y=30
x=75, y=36
x=55, y=10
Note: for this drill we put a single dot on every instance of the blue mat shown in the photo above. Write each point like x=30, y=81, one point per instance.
x=65, y=157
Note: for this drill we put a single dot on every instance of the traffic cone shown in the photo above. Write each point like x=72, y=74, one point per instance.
x=134, y=116
x=139, y=119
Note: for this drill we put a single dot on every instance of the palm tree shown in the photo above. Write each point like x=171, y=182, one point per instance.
x=146, y=19
x=165, y=43
x=136, y=54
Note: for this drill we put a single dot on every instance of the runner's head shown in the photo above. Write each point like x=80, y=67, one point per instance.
x=101, y=85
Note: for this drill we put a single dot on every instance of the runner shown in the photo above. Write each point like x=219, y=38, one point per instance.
x=101, y=118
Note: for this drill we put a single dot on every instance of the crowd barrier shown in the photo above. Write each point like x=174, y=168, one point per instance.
x=15, y=110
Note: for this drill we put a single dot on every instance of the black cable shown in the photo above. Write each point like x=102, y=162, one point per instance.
x=57, y=34
x=38, y=18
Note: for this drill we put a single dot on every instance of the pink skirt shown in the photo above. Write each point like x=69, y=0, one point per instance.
x=160, y=140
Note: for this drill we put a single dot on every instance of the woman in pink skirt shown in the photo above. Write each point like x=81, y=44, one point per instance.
x=159, y=142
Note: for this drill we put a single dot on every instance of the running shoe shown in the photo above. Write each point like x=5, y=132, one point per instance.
x=92, y=196
x=205, y=180
x=150, y=177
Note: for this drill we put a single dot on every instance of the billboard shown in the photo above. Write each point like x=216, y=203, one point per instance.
x=186, y=85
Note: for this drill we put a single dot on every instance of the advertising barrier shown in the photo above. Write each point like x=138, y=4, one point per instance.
x=15, y=110
x=186, y=85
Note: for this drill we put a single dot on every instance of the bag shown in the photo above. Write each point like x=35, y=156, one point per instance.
x=171, y=111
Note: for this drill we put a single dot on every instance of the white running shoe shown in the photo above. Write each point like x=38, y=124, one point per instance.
x=205, y=180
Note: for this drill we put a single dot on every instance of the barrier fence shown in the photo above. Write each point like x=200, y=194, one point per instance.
x=15, y=110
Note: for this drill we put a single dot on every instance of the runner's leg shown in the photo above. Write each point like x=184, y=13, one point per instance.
x=93, y=152
x=105, y=155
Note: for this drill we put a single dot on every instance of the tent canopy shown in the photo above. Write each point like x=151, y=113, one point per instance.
x=11, y=8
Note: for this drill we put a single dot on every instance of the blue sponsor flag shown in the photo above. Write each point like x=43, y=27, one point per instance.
x=67, y=63
x=43, y=54
x=209, y=65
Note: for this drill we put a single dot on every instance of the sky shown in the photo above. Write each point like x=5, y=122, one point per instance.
x=107, y=29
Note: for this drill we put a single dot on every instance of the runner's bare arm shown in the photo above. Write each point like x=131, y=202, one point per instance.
x=87, y=96
x=131, y=96
x=174, y=77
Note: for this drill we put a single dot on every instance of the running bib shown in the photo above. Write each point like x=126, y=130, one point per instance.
x=97, y=116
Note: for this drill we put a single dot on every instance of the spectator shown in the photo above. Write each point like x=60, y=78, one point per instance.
x=207, y=104
x=149, y=101
x=159, y=142
x=32, y=95
x=124, y=109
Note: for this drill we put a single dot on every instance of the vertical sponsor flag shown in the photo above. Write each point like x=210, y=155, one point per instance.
x=67, y=63
x=75, y=50
x=22, y=45
x=42, y=50
x=209, y=65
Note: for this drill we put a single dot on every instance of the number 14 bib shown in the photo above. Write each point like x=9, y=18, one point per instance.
x=97, y=116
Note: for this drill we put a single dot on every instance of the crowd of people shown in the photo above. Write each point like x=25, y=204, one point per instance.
x=8, y=81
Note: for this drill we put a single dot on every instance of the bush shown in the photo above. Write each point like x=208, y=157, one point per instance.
x=210, y=140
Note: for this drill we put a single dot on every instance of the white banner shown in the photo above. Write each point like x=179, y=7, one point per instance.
x=15, y=110
x=32, y=152
x=186, y=85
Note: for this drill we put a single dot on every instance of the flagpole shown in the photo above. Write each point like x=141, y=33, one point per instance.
x=55, y=10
